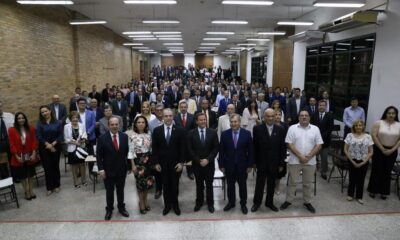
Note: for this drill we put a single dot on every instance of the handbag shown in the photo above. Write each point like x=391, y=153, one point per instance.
x=81, y=153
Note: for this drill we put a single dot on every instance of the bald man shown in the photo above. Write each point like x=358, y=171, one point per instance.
x=59, y=109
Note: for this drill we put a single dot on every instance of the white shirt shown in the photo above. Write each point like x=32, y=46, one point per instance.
x=223, y=124
x=8, y=119
x=304, y=139
x=83, y=119
x=298, y=105
x=56, y=109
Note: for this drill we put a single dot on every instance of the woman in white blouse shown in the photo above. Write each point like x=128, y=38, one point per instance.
x=386, y=136
x=358, y=150
x=146, y=112
x=250, y=116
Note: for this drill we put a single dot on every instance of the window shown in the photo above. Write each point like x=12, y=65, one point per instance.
x=343, y=68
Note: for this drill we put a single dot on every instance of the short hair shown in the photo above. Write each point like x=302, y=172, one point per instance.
x=146, y=128
x=112, y=117
x=81, y=99
x=358, y=121
x=321, y=101
x=354, y=98
x=160, y=106
x=235, y=115
x=106, y=107
x=197, y=115
x=167, y=110
x=183, y=102
x=74, y=114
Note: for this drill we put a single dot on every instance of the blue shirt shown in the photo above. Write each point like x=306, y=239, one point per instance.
x=49, y=132
x=350, y=115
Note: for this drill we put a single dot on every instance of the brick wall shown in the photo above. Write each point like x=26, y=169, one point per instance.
x=41, y=55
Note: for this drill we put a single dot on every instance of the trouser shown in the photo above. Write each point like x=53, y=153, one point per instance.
x=170, y=180
x=239, y=176
x=158, y=180
x=308, y=172
x=51, y=166
x=382, y=166
x=79, y=170
x=324, y=160
x=265, y=174
x=204, y=175
x=356, y=179
x=110, y=183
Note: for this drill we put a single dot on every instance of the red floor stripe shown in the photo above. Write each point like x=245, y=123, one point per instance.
x=202, y=219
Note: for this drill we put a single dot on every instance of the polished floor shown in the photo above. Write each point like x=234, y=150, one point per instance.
x=79, y=213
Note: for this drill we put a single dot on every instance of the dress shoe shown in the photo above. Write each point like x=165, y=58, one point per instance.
x=124, y=213
x=309, y=207
x=323, y=176
x=228, y=207
x=33, y=196
x=157, y=195
x=166, y=211
x=142, y=211
x=272, y=207
x=285, y=205
x=255, y=207
x=211, y=209
x=108, y=215
x=147, y=208
x=244, y=209
x=197, y=208
x=383, y=197
x=177, y=210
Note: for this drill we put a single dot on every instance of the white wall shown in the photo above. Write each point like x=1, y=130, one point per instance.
x=222, y=61
x=270, y=65
x=189, y=60
x=155, y=60
x=299, y=68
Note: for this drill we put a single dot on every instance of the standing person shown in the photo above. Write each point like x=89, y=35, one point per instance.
x=295, y=105
x=120, y=108
x=386, y=137
x=146, y=112
x=134, y=105
x=304, y=141
x=49, y=133
x=276, y=105
x=94, y=94
x=203, y=148
x=358, y=150
x=6, y=122
x=211, y=117
x=140, y=154
x=23, y=148
x=269, y=155
x=103, y=122
x=250, y=116
x=312, y=107
x=105, y=94
x=352, y=113
x=283, y=169
x=236, y=161
x=329, y=102
x=112, y=152
x=169, y=155
x=59, y=109
x=223, y=103
x=224, y=121
x=192, y=107
x=324, y=121
x=75, y=136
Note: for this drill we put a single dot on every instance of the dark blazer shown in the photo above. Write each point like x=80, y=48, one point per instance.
x=141, y=100
x=168, y=155
x=97, y=96
x=241, y=156
x=197, y=150
x=104, y=95
x=239, y=107
x=190, y=123
x=62, y=111
x=99, y=113
x=309, y=110
x=212, y=118
x=73, y=107
x=292, y=109
x=223, y=105
x=133, y=102
x=325, y=127
x=282, y=100
x=269, y=151
x=174, y=101
x=113, y=162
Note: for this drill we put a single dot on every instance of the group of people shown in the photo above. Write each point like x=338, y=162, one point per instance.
x=157, y=128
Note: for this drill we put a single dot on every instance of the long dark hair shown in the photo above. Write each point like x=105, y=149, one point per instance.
x=42, y=119
x=26, y=124
x=146, y=128
x=387, y=110
x=249, y=102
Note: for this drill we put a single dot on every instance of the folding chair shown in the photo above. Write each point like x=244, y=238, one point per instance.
x=7, y=191
x=339, y=161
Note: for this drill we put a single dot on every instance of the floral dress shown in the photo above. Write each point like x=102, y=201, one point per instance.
x=140, y=152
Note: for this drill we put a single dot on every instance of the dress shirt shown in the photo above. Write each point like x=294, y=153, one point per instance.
x=57, y=110
x=328, y=106
x=304, y=139
x=166, y=130
x=233, y=136
x=112, y=137
x=155, y=123
x=204, y=132
x=207, y=118
x=83, y=119
x=270, y=128
x=350, y=115
x=298, y=104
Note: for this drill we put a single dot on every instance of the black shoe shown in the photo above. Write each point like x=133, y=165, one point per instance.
x=177, y=210
x=211, y=209
x=197, y=208
x=147, y=208
x=309, y=207
x=190, y=176
x=228, y=207
x=157, y=195
x=143, y=211
x=272, y=207
x=323, y=176
x=371, y=195
x=33, y=197
x=383, y=197
x=244, y=209
x=124, y=213
x=108, y=215
x=285, y=205
x=255, y=207
x=166, y=211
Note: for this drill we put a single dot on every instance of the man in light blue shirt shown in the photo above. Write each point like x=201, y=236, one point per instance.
x=352, y=113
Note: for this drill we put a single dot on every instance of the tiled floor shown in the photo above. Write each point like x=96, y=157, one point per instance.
x=79, y=213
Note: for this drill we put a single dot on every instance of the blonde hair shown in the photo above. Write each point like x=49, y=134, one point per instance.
x=355, y=123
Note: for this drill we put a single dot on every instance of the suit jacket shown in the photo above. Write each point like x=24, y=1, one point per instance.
x=113, y=162
x=168, y=155
x=241, y=157
x=73, y=106
x=90, y=123
x=197, y=150
x=97, y=96
x=99, y=113
x=309, y=110
x=212, y=118
x=190, y=123
x=239, y=107
x=292, y=109
x=223, y=124
x=325, y=127
x=269, y=151
x=141, y=99
x=198, y=103
x=62, y=111
x=192, y=107
x=103, y=122
x=262, y=106
x=223, y=105
x=104, y=95
x=174, y=101
x=134, y=103
x=331, y=104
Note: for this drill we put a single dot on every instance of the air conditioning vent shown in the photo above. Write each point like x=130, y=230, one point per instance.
x=350, y=21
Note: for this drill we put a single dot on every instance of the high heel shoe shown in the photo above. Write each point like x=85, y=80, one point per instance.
x=33, y=196
x=147, y=208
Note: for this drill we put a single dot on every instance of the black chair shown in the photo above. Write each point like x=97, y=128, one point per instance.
x=218, y=175
x=39, y=172
x=396, y=177
x=336, y=132
x=7, y=192
x=339, y=161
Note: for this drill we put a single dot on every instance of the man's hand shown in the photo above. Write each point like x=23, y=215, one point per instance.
x=102, y=174
x=222, y=170
x=179, y=167
x=303, y=159
x=134, y=169
x=203, y=162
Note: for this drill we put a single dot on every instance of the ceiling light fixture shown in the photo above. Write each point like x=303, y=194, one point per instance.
x=241, y=22
x=150, y=2
x=339, y=4
x=136, y=33
x=271, y=33
x=189, y=54
x=161, y=21
x=146, y=50
x=150, y=52
x=87, y=22
x=258, y=39
x=46, y=2
x=173, y=44
x=210, y=44
x=169, y=39
x=169, y=36
x=133, y=44
x=257, y=3
x=207, y=47
x=295, y=23
x=220, y=33
x=166, y=54
x=246, y=44
x=214, y=39
x=144, y=39
x=141, y=36
x=140, y=48
x=166, y=32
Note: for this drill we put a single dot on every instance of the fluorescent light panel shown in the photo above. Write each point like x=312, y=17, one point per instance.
x=166, y=32
x=271, y=33
x=166, y=54
x=214, y=39
x=133, y=44
x=246, y=44
x=141, y=36
x=46, y=2
x=229, y=22
x=150, y=2
x=169, y=39
x=173, y=44
x=207, y=47
x=140, y=48
x=258, y=39
x=144, y=39
x=220, y=33
x=295, y=23
x=257, y=3
x=339, y=4
x=87, y=22
x=161, y=21
x=150, y=52
x=136, y=33
x=146, y=50
x=210, y=44
x=169, y=36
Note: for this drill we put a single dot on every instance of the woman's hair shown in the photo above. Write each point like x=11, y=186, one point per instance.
x=274, y=102
x=355, y=123
x=42, y=119
x=387, y=110
x=249, y=102
x=74, y=114
x=26, y=124
x=146, y=128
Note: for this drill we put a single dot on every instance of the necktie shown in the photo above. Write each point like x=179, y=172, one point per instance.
x=320, y=116
x=115, y=142
x=235, y=138
x=202, y=136
x=168, y=135
x=313, y=109
x=184, y=120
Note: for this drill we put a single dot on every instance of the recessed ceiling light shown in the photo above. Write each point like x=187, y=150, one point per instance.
x=271, y=33
x=146, y=50
x=169, y=36
x=257, y=3
x=169, y=39
x=210, y=44
x=150, y=52
x=136, y=33
x=166, y=54
x=258, y=39
x=229, y=22
x=46, y=2
x=214, y=39
x=202, y=52
x=207, y=47
x=167, y=32
x=141, y=36
x=161, y=21
x=144, y=39
x=339, y=4
x=133, y=44
x=150, y=2
x=176, y=50
x=246, y=44
x=220, y=33
x=140, y=47
x=173, y=44
x=87, y=22
x=295, y=23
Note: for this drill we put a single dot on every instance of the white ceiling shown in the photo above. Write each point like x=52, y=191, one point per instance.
x=195, y=18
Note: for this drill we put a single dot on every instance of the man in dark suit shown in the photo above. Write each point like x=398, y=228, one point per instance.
x=324, y=121
x=73, y=105
x=175, y=97
x=95, y=94
x=244, y=99
x=197, y=98
x=59, y=109
x=312, y=108
x=269, y=155
x=98, y=113
x=142, y=98
x=203, y=148
x=223, y=103
x=236, y=160
x=282, y=99
x=211, y=117
x=120, y=108
x=105, y=95
x=295, y=105
x=238, y=105
x=112, y=152
x=134, y=105
x=169, y=144
x=330, y=106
